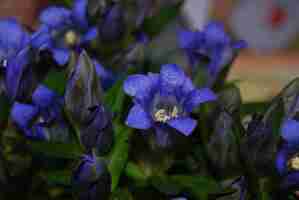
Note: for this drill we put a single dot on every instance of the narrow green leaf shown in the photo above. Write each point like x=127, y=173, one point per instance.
x=119, y=154
x=59, y=177
x=57, y=150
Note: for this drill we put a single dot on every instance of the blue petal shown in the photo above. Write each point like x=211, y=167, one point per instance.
x=215, y=35
x=79, y=13
x=197, y=97
x=281, y=161
x=138, y=118
x=55, y=16
x=290, y=132
x=42, y=38
x=90, y=35
x=172, y=77
x=184, y=125
x=22, y=114
x=43, y=96
x=15, y=73
x=239, y=45
x=138, y=86
x=12, y=37
x=187, y=87
x=106, y=76
x=189, y=39
x=61, y=56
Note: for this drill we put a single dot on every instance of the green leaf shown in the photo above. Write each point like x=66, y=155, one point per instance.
x=114, y=97
x=156, y=24
x=59, y=177
x=199, y=186
x=56, y=80
x=57, y=150
x=122, y=194
x=119, y=154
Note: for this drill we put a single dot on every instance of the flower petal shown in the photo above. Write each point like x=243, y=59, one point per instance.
x=15, y=73
x=188, y=39
x=290, y=132
x=79, y=12
x=184, y=125
x=22, y=114
x=90, y=35
x=197, y=97
x=55, y=16
x=138, y=86
x=107, y=77
x=215, y=35
x=61, y=56
x=281, y=161
x=172, y=76
x=41, y=39
x=17, y=39
x=138, y=118
x=43, y=96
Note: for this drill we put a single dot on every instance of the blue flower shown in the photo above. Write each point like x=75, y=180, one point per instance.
x=33, y=119
x=62, y=29
x=13, y=38
x=91, y=179
x=164, y=100
x=211, y=44
x=287, y=160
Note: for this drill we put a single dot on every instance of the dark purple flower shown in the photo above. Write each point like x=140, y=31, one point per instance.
x=164, y=100
x=287, y=161
x=91, y=179
x=63, y=29
x=112, y=26
x=211, y=44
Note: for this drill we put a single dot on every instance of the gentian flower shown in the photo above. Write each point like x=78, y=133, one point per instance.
x=106, y=76
x=211, y=44
x=35, y=119
x=287, y=161
x=63, y=29
x=15, y=56
x=13, y=38
x=91, y=179
x=163, y=101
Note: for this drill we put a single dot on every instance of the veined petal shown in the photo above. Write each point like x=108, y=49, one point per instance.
x=290, y=132
x=15, y=72
x=22, y=114
x=197, y=97
x=41, y=39
x=215, y=35
x=138, y=86
x=172, y=77
x=187, y=39
x=138, y=118
x=61, y=56
x=185, y=125
x=55, y=16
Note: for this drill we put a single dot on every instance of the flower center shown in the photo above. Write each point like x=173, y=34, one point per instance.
x=293, y=163
x=71, y=38
x=163, y=115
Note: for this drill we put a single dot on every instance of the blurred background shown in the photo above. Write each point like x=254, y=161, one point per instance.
x=271, y=28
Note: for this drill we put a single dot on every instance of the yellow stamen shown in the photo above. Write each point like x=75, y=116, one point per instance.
x=294, y=163
x=163, y=116
x=71, y=38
